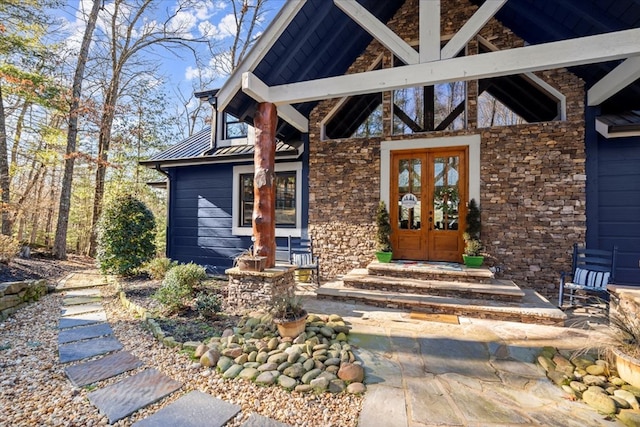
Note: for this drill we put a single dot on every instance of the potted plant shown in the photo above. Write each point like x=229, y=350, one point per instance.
x=288, y=315
x=383, y=233
x=248, y=261
x=625, y=345
x=472, y=244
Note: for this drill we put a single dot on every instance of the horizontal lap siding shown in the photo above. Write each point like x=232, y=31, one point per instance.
x=201, y=217
x=619, y=204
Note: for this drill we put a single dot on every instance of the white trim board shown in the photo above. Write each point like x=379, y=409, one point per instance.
x=473, y=171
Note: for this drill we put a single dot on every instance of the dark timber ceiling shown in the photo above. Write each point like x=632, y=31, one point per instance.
x=321, y=41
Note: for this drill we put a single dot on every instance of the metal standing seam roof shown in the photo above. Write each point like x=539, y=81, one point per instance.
x=197, y=149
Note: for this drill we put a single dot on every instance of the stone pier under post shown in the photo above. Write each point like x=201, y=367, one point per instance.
x=253, y=290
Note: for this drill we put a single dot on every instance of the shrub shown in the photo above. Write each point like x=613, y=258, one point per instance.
x=125, y=237
x=176, y=290
x=157, y=268
x=208, y=304
x=9, y=248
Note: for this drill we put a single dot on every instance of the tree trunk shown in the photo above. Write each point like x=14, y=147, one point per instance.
x=264, y=209
x=60, y=243
x=4, y=172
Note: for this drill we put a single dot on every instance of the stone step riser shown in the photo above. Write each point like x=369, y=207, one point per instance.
x=447, y=309
x=429, y=275
x=400, y=288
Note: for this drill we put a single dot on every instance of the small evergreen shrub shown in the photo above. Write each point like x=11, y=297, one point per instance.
x=9, y=248
x=176, y=291
x=208, y=304
x=125, y=237
x=157, y=268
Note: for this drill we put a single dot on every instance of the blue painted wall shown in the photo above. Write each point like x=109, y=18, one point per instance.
x=613, y=200
x=200, y=215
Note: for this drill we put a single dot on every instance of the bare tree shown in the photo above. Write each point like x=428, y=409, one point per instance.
x=60, y=241
x=129, y=34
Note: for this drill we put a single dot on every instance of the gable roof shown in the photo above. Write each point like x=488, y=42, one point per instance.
x=317, y=40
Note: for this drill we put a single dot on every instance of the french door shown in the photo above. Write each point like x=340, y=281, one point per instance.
x=427, y=203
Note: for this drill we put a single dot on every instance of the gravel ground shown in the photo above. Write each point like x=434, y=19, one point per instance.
x=34, y=390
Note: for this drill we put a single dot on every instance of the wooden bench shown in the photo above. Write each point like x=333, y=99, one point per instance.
x=591, y=271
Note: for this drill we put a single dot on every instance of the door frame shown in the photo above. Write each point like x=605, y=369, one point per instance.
x=473, y=143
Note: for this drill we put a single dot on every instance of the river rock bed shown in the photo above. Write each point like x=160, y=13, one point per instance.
x=594, y=381
x=320, y=359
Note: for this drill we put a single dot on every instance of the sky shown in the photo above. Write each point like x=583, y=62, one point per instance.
x=210, y=18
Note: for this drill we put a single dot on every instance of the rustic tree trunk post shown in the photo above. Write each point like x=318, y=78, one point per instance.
x=264, y=208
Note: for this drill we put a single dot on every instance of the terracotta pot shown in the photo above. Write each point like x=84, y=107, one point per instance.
x=628, y=367
x=252, y=263
x=291, y=328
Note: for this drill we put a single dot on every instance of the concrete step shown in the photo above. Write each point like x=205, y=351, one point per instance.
x=499, y=290
x=447, y=271
x=533, y=308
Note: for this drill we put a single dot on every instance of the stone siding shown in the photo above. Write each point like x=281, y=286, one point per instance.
x=532, y=175
x=14, y=295
x=250, y=290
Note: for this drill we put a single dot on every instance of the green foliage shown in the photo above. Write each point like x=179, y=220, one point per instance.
x=176, y=290
x=383, y=239
x=157, y=268
x=287, y=307
x=9, y=248
x=208, y=304
x=473, y=245
x=125, y=236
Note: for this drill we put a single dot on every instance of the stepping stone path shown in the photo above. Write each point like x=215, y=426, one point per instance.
x=85, y=334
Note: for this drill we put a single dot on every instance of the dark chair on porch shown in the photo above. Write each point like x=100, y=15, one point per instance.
x=591, y=271
x=301, y=255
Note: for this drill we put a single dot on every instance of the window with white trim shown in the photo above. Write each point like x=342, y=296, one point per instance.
x=288, y=199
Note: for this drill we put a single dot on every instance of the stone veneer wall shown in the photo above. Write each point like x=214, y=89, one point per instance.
x=250, y=290
x=14, y=295
x=532, y=175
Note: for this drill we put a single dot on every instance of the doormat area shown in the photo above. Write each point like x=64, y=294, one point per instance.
x=435, y=317
x=450, y=266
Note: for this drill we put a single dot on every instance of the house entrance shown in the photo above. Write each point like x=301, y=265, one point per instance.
x=427, y=187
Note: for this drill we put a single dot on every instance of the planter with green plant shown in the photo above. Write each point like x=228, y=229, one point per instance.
x=383, y=234
x=288, y=315
x=472, y=244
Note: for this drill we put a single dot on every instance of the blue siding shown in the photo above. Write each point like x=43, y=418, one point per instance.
x=619, y=203
x=200, y=216
x=613, y=198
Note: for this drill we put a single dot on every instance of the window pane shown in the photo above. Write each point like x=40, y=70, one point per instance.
x=234, y=128
x=286, y=199
x=246, y=199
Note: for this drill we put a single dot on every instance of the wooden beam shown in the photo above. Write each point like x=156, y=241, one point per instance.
x=379, y=30
x=469, y=30
x=264, y=182
x=566, y=53
x=429, y=30
x=259, y=91
x=619, y=78
x=258, y=51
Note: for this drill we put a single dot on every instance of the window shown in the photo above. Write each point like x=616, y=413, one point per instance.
x=288, y=199
x=285, y=199
x=234, y=128
x=429, y=108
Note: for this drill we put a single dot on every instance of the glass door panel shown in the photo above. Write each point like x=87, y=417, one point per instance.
x=446, y=195
x=409, y=194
